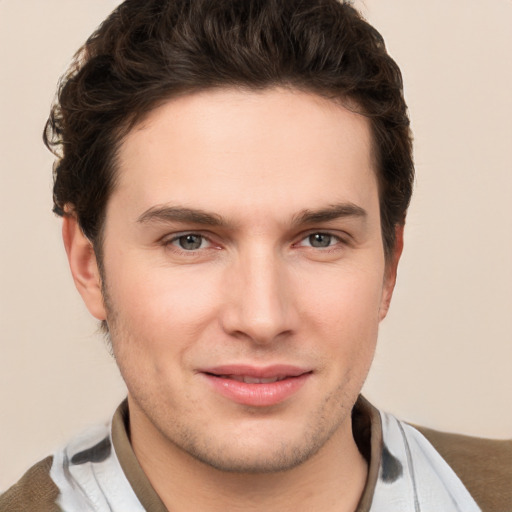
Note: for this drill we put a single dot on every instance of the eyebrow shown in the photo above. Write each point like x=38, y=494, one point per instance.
x=197, y=216
x=332, y=212
x=180, y=214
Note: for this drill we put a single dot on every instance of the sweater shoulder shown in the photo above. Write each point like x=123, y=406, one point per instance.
x=34, y=491
x=483, y=465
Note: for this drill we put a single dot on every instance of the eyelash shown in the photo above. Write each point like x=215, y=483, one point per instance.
x=332, y=237
x=171, y=243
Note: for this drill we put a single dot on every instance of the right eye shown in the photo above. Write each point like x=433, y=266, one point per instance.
x=189, y=242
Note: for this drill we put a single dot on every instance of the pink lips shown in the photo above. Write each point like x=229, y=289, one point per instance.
x=257, y=387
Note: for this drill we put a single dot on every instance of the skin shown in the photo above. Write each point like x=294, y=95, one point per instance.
x=286, y=266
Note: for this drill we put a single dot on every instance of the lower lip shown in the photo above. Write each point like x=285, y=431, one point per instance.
x=258, y=395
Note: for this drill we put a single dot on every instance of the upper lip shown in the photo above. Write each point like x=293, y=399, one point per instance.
x=257, y=372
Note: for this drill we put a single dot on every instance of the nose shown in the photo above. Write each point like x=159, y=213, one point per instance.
x=259, y=302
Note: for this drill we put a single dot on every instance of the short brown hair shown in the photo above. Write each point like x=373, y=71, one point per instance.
x=147, y=52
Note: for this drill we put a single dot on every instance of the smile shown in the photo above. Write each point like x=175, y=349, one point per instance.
x=251, y=380
x=257, y=387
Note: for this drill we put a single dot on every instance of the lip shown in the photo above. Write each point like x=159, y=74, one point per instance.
x=265, y=394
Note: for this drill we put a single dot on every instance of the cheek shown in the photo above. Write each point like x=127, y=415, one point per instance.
x=163, y=304
x=339, y=295
x=343, y=309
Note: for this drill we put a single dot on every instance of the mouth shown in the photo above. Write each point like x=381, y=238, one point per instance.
x=257, y=387
x=251, y=380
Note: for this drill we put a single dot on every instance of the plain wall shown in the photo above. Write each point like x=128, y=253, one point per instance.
x=445, y=352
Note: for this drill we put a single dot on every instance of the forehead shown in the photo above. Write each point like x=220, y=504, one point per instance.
x=224, y=147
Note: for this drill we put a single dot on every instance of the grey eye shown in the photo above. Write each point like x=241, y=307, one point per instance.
x=320, y=240
x=190, y=242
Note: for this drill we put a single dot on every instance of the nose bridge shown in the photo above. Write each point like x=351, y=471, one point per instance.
x=260, y=306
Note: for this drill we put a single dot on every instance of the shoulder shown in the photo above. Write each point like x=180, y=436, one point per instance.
x=483, y=465
x=34, y=491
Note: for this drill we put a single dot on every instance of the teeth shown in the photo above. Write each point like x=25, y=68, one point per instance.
x=252, y=380
x=238, y=378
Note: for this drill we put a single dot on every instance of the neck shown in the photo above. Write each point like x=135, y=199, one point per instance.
x=332, y=479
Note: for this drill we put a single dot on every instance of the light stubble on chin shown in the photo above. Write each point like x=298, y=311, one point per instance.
x=278, y=458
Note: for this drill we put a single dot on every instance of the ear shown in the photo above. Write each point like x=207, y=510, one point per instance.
x=390, y=272
x=83, y=265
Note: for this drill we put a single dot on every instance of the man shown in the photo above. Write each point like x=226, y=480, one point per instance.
x=234, y=178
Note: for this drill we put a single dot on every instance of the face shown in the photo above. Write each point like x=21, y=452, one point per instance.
x=244, y=274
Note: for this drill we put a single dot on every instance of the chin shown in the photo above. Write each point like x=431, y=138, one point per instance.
x=275, y=460
x=260, y=450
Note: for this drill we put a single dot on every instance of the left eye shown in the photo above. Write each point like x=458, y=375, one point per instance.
x=190, y=242
x=320, y=240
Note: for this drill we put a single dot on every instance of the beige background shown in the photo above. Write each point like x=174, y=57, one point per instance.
x=445, y=352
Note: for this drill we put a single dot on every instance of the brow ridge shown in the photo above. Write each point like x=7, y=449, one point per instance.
x=332, y=212
x=167, y=213
x=180, y=214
